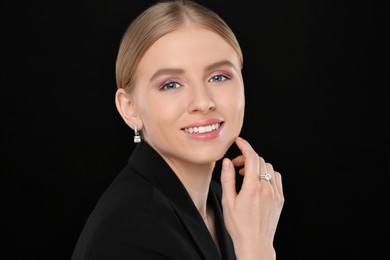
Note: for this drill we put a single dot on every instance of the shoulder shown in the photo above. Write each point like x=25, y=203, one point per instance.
x=129, y=199
x=132, y=219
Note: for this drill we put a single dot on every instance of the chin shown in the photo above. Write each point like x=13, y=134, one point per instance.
x=211, y=154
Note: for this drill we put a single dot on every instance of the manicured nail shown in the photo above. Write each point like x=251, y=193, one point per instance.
x=225, y=164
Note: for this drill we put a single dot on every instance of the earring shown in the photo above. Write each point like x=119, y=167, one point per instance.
x=137, y=137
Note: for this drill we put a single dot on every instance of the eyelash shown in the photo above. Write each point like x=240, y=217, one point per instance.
x=225, y=77
x=165, y=85
x=177, y=85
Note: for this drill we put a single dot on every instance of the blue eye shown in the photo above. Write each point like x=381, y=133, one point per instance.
x=218, y=78
x=170, y=85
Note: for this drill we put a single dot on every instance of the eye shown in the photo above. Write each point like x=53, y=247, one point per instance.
x=218, y=78
x=170, y=85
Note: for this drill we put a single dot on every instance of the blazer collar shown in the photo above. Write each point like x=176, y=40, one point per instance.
x=146, y=161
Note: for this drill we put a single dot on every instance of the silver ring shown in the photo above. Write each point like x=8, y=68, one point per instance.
x=266, y=176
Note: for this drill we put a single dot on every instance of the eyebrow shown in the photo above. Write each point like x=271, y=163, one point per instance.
x=177, y=71
x=166, y=71
x=219, y=64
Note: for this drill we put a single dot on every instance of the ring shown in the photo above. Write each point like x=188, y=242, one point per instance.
x=266, y=176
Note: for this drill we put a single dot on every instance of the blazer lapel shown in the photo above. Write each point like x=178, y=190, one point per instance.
x=225, y=241
x=150, y=164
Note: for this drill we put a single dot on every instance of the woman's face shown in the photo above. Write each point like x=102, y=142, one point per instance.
x=189, y=96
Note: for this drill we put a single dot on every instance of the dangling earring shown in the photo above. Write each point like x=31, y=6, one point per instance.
x=137, y=137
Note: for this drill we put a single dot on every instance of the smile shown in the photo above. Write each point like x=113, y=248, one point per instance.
x=202, y=129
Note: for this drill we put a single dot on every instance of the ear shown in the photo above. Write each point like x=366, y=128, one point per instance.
x=126, y=108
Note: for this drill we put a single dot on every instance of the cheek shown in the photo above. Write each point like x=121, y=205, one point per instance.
x=235, y=105
x=232, y=108
x=160, y=112
x=233, y=101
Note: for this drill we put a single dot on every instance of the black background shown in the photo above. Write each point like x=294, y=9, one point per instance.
x=317, y=85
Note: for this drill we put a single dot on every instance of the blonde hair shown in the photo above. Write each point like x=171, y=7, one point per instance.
x=158, y=20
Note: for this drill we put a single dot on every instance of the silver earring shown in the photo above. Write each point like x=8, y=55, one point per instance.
x=137, y=137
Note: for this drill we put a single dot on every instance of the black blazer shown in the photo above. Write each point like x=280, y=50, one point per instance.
x=146, y=213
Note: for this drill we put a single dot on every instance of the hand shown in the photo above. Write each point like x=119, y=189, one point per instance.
x=252, y=215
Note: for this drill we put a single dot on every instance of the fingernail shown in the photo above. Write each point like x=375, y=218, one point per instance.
x=225, y=164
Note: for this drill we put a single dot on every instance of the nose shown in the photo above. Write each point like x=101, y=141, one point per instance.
x=201, y=99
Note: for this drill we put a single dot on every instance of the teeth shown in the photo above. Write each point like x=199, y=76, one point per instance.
x=202, y=129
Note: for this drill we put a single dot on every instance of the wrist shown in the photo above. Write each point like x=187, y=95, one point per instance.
x=258, y=252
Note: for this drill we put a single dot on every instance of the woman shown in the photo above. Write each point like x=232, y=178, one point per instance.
x=180, y=88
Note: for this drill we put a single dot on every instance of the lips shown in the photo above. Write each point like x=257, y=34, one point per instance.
x=203, y=130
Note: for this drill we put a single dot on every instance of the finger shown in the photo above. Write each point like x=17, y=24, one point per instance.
x=251, y=162
x=270, y=170
x=228, y=182
x=264, y=170
x=279, y=184
x=239, y=161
